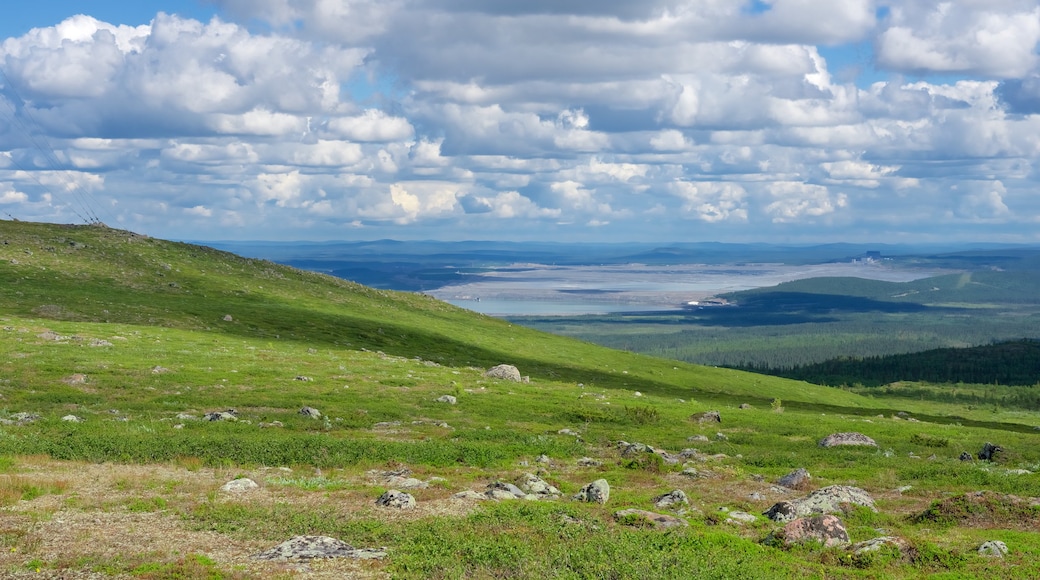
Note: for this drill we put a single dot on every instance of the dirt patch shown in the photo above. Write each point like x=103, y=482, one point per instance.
x=984, y=509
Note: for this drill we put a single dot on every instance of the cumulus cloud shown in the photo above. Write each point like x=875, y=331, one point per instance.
x=393, y=115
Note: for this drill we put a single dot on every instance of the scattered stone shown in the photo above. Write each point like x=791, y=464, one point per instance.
x=506, y=372
x=991, y=452
x=396, y=499
x=797, y=479
x=634, y=517
x=317, y=547
x=589, y=462
x=596, y=492
x=993, y=548
x=302, y=378
x=21, y=419
x=744, y=406
x=827, y=500
x=503, y=490
x=51, y=335
x=706, y=417
x=721, y=437
x=568, y=432
x=543, y=459
x=755, y=496
x=739, y=517
x=837, y=439
x=703, y=438
x=240, y=485
x=310, y=412
x=75, y=379
x=469, y=495
x=272, y=424
x=449, y=399
x=228, y=415
x=228, y=318
x=637, y=394
x=672, y=500
x=876, y=544
x=72, y=419
x=826, y=529
x=99, y=342
x=186, y=417
x=534, y=485
x=158, y=370
x=965, y=456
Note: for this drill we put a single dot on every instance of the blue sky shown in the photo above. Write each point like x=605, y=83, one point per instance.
x=580, y=120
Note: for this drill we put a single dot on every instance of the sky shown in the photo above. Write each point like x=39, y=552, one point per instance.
x=786, y=121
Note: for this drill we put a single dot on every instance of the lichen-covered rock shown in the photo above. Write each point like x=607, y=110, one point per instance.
x=396, y=499
x=671, y=500
x=797, y=479
x=826, y=529
x=535, y=485
x=839, y=439
x=240, y=485
x=634, y=517
x=828, y=500
x=993, y=548
x=706, y=417
x=316, y=547
x=506, y=372
x=596, y=492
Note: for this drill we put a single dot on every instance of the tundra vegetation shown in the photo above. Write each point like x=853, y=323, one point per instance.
x=116, y=349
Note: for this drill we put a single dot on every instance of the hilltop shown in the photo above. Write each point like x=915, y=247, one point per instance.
x=117, y=347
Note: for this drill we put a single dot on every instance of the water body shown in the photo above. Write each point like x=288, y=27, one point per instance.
x=506, y=307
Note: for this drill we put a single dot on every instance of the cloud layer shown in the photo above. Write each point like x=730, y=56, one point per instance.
x=592, y=120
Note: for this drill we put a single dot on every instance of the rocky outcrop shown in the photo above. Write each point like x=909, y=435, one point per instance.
x=317, y=547
x=533, y=485
x=828, y=500
x=839, y=439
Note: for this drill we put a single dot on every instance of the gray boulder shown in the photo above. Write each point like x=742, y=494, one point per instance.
x=310, y=412
x=706, y=417
x=317, y=547
x=596, y=492
x=240, y=485
x=228, y=415
x=534, y=485
x=506, y=372
x=449, y=399
x=504, y=490
x=991, y=452
x=839, y=439
x=876, y=544
x=396, y=499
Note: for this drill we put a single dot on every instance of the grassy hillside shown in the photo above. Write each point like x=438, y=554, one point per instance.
x=138, y=338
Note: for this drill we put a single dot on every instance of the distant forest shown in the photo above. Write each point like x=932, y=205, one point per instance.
x=1013, y=363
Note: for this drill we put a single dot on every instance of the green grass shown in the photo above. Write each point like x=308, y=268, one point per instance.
x=142, y=340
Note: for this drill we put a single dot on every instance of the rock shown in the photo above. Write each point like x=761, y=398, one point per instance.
x=706, y=417
x=965, y=456
x=535, y=485
x=822, y=501
x=158, y=370
x=22, y=418
x=270, y=425
x=797, y=479
x=72, y=419
x=783, y=511
x=229, y=415
x=739, y=517
x=543, y=459
x=570, y=432
x=75, y=379
x=497, y=489
x=703, y=438
x=449, y=399
x=228, y=318
x=596, y=492
x=634, y=517
x=991, y=452
x=993, y=548
x=469, y=495
x=396, y=499
x=826, y=529
x=721, y=437
x=310, y=412
x=744, y=406
x=837, y=439
x=302, y=378
x=240, y=485
x=400, y=482
x=315, y=547
x=876, y=544
x=673, y=499
x=589, y=462
x=506, y=372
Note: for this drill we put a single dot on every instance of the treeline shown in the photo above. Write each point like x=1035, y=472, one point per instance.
x=1006, y=363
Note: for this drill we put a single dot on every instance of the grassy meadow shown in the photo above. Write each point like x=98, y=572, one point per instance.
x=139, y=338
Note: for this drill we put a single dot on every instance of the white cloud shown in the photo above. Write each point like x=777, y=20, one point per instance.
x=373, y=125
x=797, y=202
x=712, y=201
